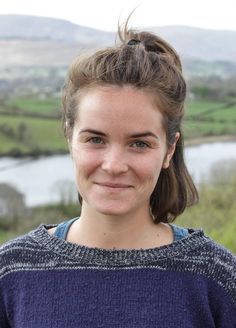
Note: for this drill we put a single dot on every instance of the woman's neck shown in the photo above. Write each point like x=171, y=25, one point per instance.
x=130, y=231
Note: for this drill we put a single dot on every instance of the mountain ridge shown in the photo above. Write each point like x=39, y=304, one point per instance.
x=38, y=27
x=41, y=41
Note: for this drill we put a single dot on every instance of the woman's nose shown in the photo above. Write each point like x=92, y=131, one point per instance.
x=114, y=161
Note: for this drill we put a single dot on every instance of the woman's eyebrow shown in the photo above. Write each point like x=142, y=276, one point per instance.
x=92, y=132
x=144, y=134
x=134, y=135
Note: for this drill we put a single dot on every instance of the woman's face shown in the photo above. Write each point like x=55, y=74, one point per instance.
x=118, y=147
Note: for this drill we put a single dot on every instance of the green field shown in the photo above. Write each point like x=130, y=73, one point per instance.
x=197, y=107
x=32, y=105
x=38, y=136
x=32, y=125
x=208, y=118
x=224, y=115
x=201, y=129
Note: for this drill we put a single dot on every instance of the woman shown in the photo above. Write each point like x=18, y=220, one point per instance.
x=122, y=263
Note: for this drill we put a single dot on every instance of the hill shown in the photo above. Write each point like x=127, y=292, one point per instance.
x=44, y=28
x=35, y=51
x=22, y=38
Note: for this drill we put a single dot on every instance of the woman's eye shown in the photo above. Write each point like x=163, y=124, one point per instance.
x=96, y=140
x=140, y=144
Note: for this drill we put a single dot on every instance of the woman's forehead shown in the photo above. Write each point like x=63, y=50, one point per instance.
x=118, y=105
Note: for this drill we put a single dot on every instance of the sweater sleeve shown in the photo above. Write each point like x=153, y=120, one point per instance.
x=221, y=271
x=224, y=312
x=4, y=286
x=3, y=316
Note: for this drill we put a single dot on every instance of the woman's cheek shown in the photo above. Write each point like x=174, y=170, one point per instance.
x=86, y=161
x=150, y=166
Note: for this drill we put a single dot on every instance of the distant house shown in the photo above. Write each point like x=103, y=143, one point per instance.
x=12, y=203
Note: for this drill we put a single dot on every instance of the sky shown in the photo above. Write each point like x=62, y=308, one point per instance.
x=104, y=14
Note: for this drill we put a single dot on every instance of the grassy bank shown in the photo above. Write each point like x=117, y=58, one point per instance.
x=216, y=211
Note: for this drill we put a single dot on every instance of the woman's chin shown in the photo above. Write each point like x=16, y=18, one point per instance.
x=111, y=212
x=112, y=209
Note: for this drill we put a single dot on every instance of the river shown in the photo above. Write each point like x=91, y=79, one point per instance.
x=49, y=179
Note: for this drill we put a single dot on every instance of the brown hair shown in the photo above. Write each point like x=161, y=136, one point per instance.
x=144, y=61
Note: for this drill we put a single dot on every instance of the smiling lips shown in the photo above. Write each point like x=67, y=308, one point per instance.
x=115, y=186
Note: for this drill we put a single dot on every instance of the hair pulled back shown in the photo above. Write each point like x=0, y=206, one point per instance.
x=144, y=61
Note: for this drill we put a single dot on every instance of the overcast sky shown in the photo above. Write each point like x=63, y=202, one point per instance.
x=104, y=14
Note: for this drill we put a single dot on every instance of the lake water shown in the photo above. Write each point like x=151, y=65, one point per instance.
x=49, y=179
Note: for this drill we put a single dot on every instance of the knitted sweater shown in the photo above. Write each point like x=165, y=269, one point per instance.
x=47, y=282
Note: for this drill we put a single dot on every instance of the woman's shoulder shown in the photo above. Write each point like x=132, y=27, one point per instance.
x=206, y=254
x=15, y=244
x=216, y=254
x=214, y=262
x=19, y=253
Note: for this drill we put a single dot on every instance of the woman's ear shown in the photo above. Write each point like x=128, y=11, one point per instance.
x=170, y=152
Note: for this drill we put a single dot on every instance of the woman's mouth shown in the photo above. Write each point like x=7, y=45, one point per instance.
x=111, y=185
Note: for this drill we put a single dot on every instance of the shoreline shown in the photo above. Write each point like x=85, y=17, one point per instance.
x=211, y=139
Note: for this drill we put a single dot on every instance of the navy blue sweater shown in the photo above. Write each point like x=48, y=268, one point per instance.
x=47, y=282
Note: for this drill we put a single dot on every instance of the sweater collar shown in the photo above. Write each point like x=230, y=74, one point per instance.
x=88, y=256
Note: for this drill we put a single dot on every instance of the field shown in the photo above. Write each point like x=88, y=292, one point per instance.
x=43, y=106
x=208, y=118
x=28, y=134
x=31, y=126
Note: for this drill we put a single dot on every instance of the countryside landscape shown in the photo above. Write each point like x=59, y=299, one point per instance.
x=34, y=57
